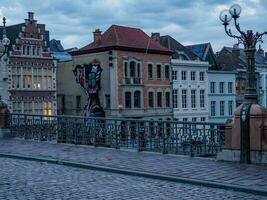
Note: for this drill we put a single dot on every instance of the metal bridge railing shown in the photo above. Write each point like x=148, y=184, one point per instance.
x=175, y=137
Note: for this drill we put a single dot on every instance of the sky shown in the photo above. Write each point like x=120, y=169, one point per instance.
x=188, y=21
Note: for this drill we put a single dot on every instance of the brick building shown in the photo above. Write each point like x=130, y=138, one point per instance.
x=31, y=69
x=135, y=79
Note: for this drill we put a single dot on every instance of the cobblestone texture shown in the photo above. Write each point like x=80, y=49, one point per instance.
x=252, y=176
x=21, y=180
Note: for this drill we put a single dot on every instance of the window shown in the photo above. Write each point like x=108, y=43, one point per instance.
x=38, y=51
x=167, y=96
x=128, y=100
x=33, y=50
x=24, y=50
x=107, y=99
x=222, y=108
x=175, y=98
x=202, y=98
x=137, y=99
x=150, y=72
x=193, y=98
x=203, y=119
x=132, y=69
x=78, y=102
x=193, y=76
x=151, y=99
x=213, y=108
x=194, y=119
x=185, y=119
x=138, y=70
x=212, y=87
x=183, y=75
x=174, y=75
x=28, y=50
x=221, y=87
x=201, y=76
x=159, y=72
x=230, y=108
x=159, y=99
x=125, y=69
x=184, y=99
x=167, y=72
x=230, y=87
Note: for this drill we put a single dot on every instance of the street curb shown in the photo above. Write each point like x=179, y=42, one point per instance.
x=140, y=174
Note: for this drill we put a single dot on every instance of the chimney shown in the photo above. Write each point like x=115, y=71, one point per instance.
x=30, y=16
x=155, y=36
x=97, y=37
x=236, y=50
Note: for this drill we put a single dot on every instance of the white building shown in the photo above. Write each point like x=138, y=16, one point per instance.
x=222, y=95
x=190, y=94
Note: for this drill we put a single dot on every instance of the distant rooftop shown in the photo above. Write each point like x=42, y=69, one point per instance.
x=58, y=51
x=126, y=38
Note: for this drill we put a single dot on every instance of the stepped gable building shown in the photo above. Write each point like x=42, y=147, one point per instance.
x=135, y=80
x=32, y=70
x=189, y=82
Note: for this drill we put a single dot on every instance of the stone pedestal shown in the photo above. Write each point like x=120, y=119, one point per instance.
x=258, y=136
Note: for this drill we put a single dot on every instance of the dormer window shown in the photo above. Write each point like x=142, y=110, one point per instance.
x=183, y=56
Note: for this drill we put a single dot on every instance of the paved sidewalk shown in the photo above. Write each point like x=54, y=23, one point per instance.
x=235, y=174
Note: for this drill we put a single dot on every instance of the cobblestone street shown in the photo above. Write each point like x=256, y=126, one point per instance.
x=34, y=180
x=250, y=176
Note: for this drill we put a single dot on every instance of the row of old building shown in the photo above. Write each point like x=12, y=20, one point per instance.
x=145, y=77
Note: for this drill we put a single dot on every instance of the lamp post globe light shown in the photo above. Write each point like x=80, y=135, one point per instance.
x=249, y=40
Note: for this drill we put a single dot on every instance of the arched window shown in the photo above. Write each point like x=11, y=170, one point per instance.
x=138, y=70
x=168, y=99
x=137, y=99
x=128, y=102
x=125, y=69
x=151, y=99
x=132, y=69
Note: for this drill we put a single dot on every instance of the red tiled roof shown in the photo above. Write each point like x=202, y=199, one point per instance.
x=127, y=38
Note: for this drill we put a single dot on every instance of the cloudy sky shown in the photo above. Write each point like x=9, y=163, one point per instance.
x=188, y=21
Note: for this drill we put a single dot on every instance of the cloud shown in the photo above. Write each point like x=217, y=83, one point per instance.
x=190, y=21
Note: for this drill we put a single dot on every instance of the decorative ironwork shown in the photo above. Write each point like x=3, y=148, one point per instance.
x=174, y=137
x=88, y=77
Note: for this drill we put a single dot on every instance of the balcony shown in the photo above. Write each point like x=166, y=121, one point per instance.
x=132, y=81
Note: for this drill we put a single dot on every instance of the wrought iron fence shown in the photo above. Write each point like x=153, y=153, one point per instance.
x=175, y=137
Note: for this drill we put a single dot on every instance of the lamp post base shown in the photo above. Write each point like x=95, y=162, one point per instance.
x=257, y=128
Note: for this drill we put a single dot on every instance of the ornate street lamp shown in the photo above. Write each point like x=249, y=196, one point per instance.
x=5, y=41
x=249, y=40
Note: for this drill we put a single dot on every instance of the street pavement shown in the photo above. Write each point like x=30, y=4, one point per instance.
x=20, y=179
x=235, y=174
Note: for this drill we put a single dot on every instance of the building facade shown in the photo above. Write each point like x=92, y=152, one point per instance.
x=31, y=69
x=222, y=95
x=135, y=81
x=190, y=94
x=234, y=59
x=189, y=82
